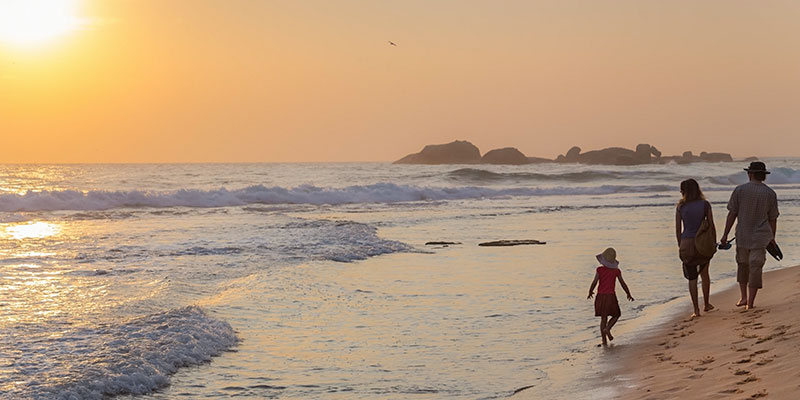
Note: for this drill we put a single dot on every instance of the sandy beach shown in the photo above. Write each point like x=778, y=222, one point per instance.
x=726, y=353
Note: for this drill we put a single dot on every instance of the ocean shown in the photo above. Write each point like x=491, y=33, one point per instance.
x=314, y=280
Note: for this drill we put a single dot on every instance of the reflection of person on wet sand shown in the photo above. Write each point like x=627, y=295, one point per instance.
x=691, y=211
x=606, y=304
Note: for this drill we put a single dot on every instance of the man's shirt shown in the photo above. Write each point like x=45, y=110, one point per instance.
x=755, y=204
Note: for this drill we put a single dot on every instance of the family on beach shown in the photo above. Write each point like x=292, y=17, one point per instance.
x=753, y=204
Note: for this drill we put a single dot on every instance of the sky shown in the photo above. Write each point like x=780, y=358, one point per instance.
x=318, y=81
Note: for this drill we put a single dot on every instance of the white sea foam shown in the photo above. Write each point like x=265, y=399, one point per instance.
x=305, y=194
x=136, y=357
x=777, y=176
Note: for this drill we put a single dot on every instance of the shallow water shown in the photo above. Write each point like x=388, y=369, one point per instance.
x=313, y=280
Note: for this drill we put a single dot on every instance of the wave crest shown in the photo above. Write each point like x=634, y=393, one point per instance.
x=136, y=357
x=305, y=194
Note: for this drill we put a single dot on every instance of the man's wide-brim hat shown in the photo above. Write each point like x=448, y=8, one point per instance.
x=757, y=166
x=608, y=258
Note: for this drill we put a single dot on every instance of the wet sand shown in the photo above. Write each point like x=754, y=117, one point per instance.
x=726, y=353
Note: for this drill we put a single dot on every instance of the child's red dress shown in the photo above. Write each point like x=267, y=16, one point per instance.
x=605, y=303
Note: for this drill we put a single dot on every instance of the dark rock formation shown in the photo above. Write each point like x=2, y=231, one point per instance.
x=440, y=243
x=507, y=155
x=538, y=160
x=715, y=157
x=573, y=154
x=504, y=243
x=463, y=152
x=612, y=156
x=609, y=156
x=458, y=152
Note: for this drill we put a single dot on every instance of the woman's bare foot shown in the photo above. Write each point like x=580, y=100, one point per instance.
x=749, y=307
x=741, y=303
x=608, y=334
x=708, y=307
x=695, y=315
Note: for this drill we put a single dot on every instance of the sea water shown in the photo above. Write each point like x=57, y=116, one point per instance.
x=314, y=280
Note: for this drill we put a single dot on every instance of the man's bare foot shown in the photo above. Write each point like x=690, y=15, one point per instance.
x=708, y=308
x=741, y=303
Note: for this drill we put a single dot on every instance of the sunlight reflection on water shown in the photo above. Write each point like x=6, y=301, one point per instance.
x=31, y=230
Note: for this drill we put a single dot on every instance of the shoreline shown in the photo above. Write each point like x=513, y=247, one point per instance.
x=726, y=352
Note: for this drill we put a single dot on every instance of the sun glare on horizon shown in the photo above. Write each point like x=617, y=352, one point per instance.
x=31, y=23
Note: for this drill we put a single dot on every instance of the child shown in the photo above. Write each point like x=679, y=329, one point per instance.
x=605, y=304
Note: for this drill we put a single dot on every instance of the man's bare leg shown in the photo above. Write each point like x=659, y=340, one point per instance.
x=743, y=298
x=752, y=298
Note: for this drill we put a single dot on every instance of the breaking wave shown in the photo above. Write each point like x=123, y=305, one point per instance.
x=777, y=176
x=305, y=194
x=136, y=357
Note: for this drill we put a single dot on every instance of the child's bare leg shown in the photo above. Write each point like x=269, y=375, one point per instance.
x=706, y=289
x=693, y=294
x=603, y=328
x=610, y=325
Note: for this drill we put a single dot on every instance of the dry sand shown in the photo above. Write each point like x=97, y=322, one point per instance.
x=727, y=353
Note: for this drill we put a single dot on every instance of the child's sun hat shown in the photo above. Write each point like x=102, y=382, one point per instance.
x=608, y=258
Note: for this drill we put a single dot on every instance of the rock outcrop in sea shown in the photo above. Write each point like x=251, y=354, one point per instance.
x=457, y=152
x=464, y=152
x=506, y=155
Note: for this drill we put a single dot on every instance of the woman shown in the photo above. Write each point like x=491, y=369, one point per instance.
x=691, y=211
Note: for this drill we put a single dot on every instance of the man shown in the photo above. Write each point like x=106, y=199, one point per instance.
x=756, y=206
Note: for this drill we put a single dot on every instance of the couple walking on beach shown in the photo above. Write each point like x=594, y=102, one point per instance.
x=754, y=204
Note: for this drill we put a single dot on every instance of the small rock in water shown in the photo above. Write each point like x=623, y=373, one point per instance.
x=440, y=243
x=510, y=242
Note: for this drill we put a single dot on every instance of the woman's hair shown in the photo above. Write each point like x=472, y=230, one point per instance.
x=690, y=191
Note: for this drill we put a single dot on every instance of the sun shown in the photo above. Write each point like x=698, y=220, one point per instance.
x=31, y=23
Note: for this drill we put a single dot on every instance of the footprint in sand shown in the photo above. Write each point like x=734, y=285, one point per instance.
x=699, y=369
x=747, y=380
x=731, y=391
x=764, y=362
x=707, y=360
x=758, y=395
x=750, y=336
x=743, y=361
x=780, y=331
x=742, y=372
x=755, y=353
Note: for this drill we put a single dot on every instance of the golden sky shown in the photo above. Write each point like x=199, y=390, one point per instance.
x=281, y=81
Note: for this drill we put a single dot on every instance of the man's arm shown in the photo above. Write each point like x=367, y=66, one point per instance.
x=773, y=223
x=728, y=225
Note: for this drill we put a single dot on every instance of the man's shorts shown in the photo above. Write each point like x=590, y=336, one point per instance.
x=750, y=262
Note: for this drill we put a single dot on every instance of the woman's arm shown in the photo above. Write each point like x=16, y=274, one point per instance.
x=678, y=225
x=594, y=283
x=710, y=215
x=625, y=286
